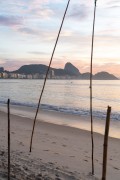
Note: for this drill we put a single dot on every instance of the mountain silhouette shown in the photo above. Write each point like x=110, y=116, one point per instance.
x=69, y=70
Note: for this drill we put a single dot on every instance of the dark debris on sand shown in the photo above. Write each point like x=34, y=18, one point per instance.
x=23, y=167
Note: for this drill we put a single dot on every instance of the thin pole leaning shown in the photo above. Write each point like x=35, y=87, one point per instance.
x=47, y=73
x=8, y=104
x=105, y=145
x=91, y=67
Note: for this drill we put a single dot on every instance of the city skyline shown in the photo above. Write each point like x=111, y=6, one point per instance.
x=28, y=31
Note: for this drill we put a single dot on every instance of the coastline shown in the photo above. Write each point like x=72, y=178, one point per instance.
x=66, y=119
x=58, y=149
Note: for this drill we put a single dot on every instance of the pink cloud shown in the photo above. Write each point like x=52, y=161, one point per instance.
x=10, y=20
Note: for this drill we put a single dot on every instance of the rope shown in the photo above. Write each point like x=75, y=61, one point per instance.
x=47, y=73
x=91, y=104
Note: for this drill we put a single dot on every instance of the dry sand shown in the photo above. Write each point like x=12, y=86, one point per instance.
x=59, y=152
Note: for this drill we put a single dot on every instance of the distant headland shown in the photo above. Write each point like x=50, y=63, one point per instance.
x=38, y=71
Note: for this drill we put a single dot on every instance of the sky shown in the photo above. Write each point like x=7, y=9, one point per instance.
x=28, y=30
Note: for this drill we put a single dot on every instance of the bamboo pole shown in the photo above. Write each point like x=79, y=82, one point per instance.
x=91, y=106
x=8, y=104
x=47, y=74
x=105, y=145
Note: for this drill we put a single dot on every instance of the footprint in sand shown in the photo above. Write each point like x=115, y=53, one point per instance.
x=96, y=160
x=64, y=145
x=21, y=143
x=53, y=142
x=87, y=156
x=116, y=168
x=2, y=153
x=56, y=153
x=51, y=163
x=86, y=160
x=72, y=156
x=46, y=150
x=13, y=132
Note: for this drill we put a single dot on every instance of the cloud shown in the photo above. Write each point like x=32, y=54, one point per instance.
x=38, y=53
x=109, y=67
x=108, y=4
x=14, y=64
x=1, y=62
x=114, y=6
x=112, y=1
x=29, y=31
x=40, y=8
x=79, y=11
x=10, y=20
x=42, y=34
x=42, y=12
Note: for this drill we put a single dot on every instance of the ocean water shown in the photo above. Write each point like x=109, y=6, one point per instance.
x=68, y=96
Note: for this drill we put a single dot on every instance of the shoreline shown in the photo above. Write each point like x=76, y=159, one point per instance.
x=61, y=118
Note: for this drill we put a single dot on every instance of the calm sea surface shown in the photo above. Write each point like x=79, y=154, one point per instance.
x=69, y=96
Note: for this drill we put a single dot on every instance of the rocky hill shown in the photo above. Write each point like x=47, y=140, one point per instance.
x=1, y=69
x=105, y=76
x=32, y=69
x=40, y=69
x=69, y=70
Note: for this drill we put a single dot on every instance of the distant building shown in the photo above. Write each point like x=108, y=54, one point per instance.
x=48, y=77
x=5, y=75
x=1, y=75
x=13, y=75
x=21, y=76
x=36, y=76
x=42, y=76
x=52, y=74
x=29, y=76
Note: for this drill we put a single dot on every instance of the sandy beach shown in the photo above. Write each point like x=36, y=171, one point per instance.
x=59, y=152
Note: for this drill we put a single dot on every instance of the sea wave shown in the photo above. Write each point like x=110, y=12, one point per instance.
x=68, y=110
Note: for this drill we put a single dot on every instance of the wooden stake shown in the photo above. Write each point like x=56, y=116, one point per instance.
x=8, y=103
x=41, y=94
x=105, y=145
x=91, y=106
